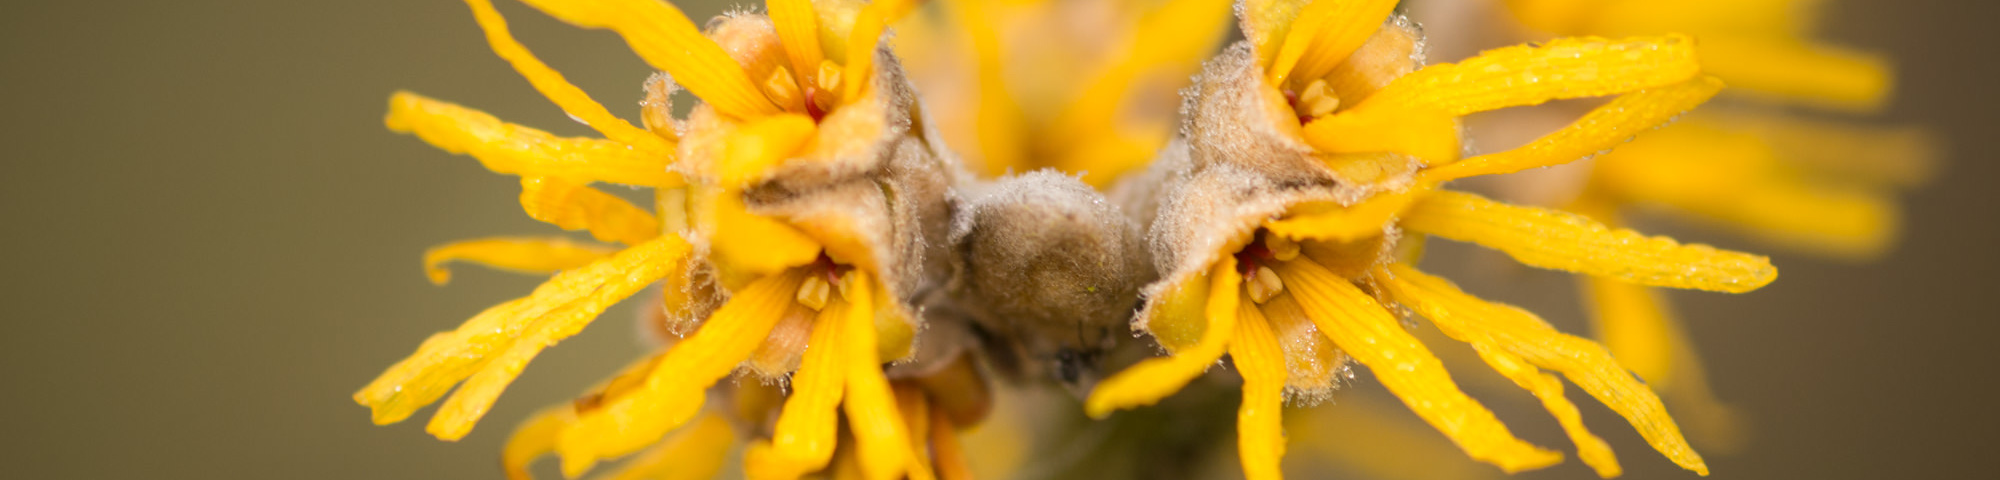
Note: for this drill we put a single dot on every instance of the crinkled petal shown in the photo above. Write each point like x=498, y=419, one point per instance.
x=573, y=206
x=1599, y=131
x=1638, y=328
x=755, y=243
x=457, y=415
x=1340, y=28
x=1332, y=222
x=760, y=145
x=520, y=254
x=673, y=392
x=1529, y=75
x=1431, y=135
x=516, y=150
x=1375, y=338
x=1549, y=390
x=861, y=42
x=692, y=453
x=798, y=30
x=881, y=438
x=803, y=440
x=448, y=357
x=1156, y=378
x=547, y=80
x=534, y=438
x=663, y=36
x=1260, y=436
x=1560, y=240
x=1520, y=333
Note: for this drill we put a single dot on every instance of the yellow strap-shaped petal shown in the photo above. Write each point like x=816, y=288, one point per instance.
x=574, y=206
x=1156, y=378
x=1596, y=132
x=803, y=440
x=1561, y=240
x=1267, y=24
x=1549, y=390
x=1346, y=25
x=1521, y=333
x=534, y=438
x=448, y=357
x=798, y=30
x=1375, y=338
x=537, y=436
x=759, y=146
x=1878, y=156
x=1529, y=75
x=692, y=453
x=1794, y=69
x=1332, y=222
x=516, y=150
x=755, y=243
x=882, y=440
x=1260, y=436
x=520, y=254
x=1638, y=328
x=547, y=80
x=663, y=36
x=457, y=415
x=674, y=391
x=1299, y=31
x=861, y=41
x=1431, y=135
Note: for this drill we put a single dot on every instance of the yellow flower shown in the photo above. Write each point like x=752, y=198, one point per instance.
x=1292, y=225
x=1084, y=87
x=808, y=188
x=1816, y=186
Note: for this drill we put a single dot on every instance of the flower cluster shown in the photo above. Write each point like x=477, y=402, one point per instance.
x=814, y=233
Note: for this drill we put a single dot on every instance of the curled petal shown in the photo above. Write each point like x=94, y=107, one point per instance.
x=692, y=453
x=663, y=36
x=516, y=150
x=574, y=206
x=448, y=357
x=1155, y=378
x=552, y=85
x=673, y=391
x=520, y=254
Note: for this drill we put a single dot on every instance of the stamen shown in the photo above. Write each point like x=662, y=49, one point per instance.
x=1282, y=249
x=813, y=292
x=784, y=89
x=1317, y=100
x=1263, y=284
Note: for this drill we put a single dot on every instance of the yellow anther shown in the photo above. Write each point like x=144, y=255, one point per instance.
x=1264, y=284
x=845, y=284
x=828, y=81
x=1282, y=249
x=813, y=292
x=1317, y=100
x=784, y=89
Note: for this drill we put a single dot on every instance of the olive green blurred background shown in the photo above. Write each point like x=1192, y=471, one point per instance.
x=211, y=241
